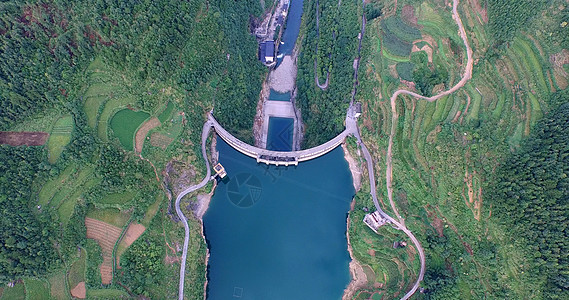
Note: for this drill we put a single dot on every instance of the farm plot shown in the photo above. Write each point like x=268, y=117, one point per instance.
x=76, y=276
x=36, y=289
x=398, y=36
x=62, y=193
x=106, y=236
x=166, y=114
x=112, y=216
x=133, y=232
x=58, y=288
x=59, y=138
x=17, y=292
x=162, y=137
x=14, y=138
x=107, y=294
x=143, y=131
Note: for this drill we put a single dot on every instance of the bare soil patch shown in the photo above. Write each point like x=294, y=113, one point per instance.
x=133, y=232
x=354, y=168
x=106, y=236
x=408, y=15
x=160, y=140
x=79, y=291
x=437, y=222
x=143, y=131
x=482, y=12
x=283, y=78
x=13, y=138
x=557, y=61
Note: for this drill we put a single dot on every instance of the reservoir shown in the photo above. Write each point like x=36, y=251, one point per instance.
x=279, y=232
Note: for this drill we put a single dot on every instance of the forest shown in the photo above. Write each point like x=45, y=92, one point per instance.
x=201, y=52
x=531, y=196
x=323, y=111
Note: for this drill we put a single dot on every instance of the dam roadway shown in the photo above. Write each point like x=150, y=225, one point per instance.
x=284, y=158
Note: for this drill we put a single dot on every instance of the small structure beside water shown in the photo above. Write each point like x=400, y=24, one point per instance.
x=220, y=171
x=267, y=52
x=374, y=221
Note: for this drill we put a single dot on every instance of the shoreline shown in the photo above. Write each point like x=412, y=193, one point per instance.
x=203, y=206
x=359, y=278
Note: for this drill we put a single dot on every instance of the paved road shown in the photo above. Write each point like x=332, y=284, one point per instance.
x=205, y=133
x=316, y=80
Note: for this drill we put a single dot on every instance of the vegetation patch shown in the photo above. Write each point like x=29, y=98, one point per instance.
x=17, y=292
x=107, y=294
x=118, y=199
x=167, y=112
x=405, y=70
x=113, y=216
x=58, y=288
x=59, y=138
x=36, y=289
x=124, y=124
x=76, y=273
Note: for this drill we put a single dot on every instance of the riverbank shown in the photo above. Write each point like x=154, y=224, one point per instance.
x=359, y=278
x=283, y=78
x=204, y=205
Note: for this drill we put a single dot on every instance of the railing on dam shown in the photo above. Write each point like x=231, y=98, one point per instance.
x=279, y=158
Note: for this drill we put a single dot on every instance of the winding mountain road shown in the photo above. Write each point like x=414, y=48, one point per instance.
x=394, y=116
x=389, y=157
x=205, y=133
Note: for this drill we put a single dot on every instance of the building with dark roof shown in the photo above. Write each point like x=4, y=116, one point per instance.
x=267, y=52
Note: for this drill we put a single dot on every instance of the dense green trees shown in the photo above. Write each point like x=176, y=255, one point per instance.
x=531, y=196
x=25, y=236
x=323, y=112
x=507, y=17
x=143, y=265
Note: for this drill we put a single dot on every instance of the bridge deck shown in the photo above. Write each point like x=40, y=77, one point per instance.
x=277, y=157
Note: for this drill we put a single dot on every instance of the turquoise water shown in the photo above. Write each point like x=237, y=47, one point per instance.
x=276, y=96
x=279, y=232
x=279, y=135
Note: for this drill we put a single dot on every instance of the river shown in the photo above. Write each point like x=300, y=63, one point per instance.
x=279, y=232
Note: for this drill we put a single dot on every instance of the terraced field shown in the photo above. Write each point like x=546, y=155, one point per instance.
x=445, y=151
x=62, y=193
x=59, y=138
x=106, y=236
